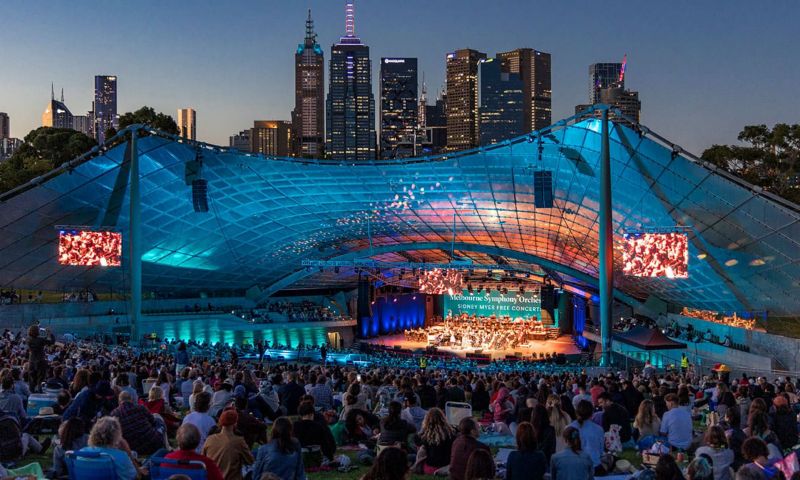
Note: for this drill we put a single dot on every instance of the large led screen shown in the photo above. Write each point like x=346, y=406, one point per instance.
x=656, y=255
x=438, y=281
x=89, y=248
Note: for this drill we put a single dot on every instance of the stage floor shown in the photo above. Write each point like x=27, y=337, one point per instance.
x=563, y=344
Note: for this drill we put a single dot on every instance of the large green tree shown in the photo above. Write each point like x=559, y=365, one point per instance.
x=148, y=116
x=769, y=158
x=43, y=150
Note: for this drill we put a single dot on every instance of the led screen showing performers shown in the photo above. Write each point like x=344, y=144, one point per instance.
x=656, y=255
x=439, y=281
x=89, y=248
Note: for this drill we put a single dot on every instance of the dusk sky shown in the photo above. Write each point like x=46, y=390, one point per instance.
x=703, y=69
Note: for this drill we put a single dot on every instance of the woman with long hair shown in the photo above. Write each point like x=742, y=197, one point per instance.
x=647, y=424
x=72, y=436
x=544, y=432
x=395, y=430
x=391, y=464
x=572, y=462
x=436, y=438
x=668, y=469
x=282, y=455
x=527, y=462
x=79, y=382
x=758, y=426
x=559, y=419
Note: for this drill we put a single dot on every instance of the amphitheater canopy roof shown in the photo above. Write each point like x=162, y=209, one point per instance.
x=266, y=215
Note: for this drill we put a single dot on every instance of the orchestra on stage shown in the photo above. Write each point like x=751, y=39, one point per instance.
x=465, y=332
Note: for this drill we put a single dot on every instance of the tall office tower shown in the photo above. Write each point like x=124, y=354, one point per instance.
x=350, y=116
x=462, y=99
x=604, y=75
x=308, y=116
x=422, y=106
x=271, y=137
x=8, y=146
x=534, y=68
x=5, y=126
x=436, y=124
x=502, y=102
x=56, y=114
x=607, y=86
x=83, y=124
x=187, y=123
x=240, y=141
x=105, y=106
x=398, y=105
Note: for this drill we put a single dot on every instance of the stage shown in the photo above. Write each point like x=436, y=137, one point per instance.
x=563, y=344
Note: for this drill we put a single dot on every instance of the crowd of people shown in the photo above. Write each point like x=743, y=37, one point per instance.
x=472, y=331
x=303, y=311
x=243, y=417
x=732, y=320
x=691, y=334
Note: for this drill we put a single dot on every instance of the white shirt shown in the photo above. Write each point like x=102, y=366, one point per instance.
x=203, y=422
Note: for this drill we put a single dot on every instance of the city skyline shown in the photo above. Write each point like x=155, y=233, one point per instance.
x=679, y=57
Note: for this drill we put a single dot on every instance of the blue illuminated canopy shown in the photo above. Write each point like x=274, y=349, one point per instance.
x=267, y=215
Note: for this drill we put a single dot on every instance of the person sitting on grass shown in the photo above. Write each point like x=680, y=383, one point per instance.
x=463, y=447
x=282, y=455
x=391, y=464
x=227, y=449
x=200, y=417
x=572, y=463
x=188, y=438
x=527, y=462
x=310, y=432
x=106, y=438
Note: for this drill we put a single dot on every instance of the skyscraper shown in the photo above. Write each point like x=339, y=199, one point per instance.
x=350, y=116
x=5, y=126
x=56, y=114
x=607, y=86
x=398, y=104
x=534, y=70
x=271, y=137
x=604, y=75
x=240, y=141
x=187, y=123
x=83, y=124
x=105, y=106
x=308, y=117
x=436, y=124
x=462, y=99
x=502, y=102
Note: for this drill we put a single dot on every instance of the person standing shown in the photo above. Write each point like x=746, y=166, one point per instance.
x=37, y=362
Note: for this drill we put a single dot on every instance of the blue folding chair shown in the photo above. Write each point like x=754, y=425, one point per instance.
x=163, y=468
x=90, y=466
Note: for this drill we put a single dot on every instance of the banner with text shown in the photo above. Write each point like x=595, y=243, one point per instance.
x=512, y=304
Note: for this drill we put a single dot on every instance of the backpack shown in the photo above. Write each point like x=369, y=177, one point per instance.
x=10, y=439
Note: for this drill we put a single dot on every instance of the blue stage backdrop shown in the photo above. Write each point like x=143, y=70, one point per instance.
x=579, y=320
x=512, y=304
x=394, y=314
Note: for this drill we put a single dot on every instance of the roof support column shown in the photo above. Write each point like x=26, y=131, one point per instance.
x=135, y=239
x=606, y=279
